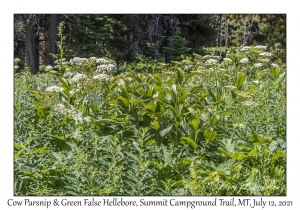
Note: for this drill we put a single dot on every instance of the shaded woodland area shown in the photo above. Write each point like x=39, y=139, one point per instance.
x=130, y=37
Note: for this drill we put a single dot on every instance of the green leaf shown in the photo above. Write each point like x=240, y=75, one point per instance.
x=165, y=132
x=63, y=81
x=240, y=81
x=124, y=100
x=155, y=125
x=62, y=138
x=213, y=120
x=189, y=141
x=17, y=146
x=209, y=134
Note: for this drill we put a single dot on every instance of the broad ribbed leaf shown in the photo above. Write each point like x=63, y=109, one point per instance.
x=165, y=132
x=209, y=134
x=189, y=141
x=240, y=81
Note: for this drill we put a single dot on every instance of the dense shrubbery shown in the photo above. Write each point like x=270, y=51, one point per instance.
x=192, y=127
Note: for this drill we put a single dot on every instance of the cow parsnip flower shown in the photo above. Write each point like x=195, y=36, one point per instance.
x=77, y=78
x=258, y=65
x=54, y=89
x=249, y=103
x=101, y=77
x=244, y=60
x=261, y=47
x=246, y=48
x=266, y=54
x=275, y=65
x=49, y=68
x=61, y=111
x=211, y=61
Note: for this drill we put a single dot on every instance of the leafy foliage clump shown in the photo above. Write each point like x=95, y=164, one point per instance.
x=185, y=128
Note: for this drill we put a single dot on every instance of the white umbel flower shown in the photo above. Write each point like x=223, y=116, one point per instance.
x=258, y=65
x=244, y=60
x=49, y=68
x=61, y=111
x=77, y=78
x=54, y=89
x=211, y=61
x=249, y=103
x=246, y=48
x=261, y=47
x=266, y=54
x=101, y=77
x=275, y=65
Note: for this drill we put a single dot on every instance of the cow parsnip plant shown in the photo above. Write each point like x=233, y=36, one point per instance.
x=188, y=128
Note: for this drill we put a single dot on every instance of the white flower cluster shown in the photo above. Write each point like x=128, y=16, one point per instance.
x=106, y=68
x=68, y=73
x=77, y=78
x=77, y=61
x=206, y=56
x=275, y=65
x=102, y=61
x=246, y=48
x=244, y=60
x=258, y=65
x=54, y=89
x=17, y=60
x=278, y=45
x=101, y=77
x=261, y=47
x=256, y=81
x=16, y=67
x=249, y=103
x=227, y=59
x=266, y=54
x=61, y=110
x=49, y=68
x=211, y=61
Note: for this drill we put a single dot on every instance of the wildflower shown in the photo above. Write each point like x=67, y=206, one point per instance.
x=17, y=60
x=256, y=81
x=275, y=65
x=102, y=61
x=227, y=59
x=54, y=89
x=277, y=45
x=106, y=68
x=266, y=54
x=211, y=61
x=68, y=74
x=249, y=103
x=231, y=87
x=155, y=95
x=49, y=68
x=101, y=77
x=206, y=56
x=261, y=47
x=77, y=78
x=258, y=65
x=16, y=67
x=77, y=61
x=246, y=48
x=244, y=60
x=61, y=111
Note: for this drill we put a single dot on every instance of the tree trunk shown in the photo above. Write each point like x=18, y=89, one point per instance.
x=226, y=34
x=32, y=43
x=52, y=38
x=169, y=33
x=220, y=32
x=43, y=38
